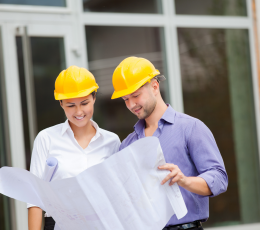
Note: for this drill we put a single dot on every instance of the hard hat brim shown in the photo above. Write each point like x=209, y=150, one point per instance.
x=83, y=93
x=131, y=89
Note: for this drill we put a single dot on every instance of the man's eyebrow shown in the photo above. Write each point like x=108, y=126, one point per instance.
x=134, y=93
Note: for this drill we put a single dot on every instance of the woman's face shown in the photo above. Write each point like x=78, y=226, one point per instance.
x=79, y=110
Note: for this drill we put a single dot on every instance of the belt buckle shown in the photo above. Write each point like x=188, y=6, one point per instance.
x=184, y=226
x=188, y=226
x=191, y=225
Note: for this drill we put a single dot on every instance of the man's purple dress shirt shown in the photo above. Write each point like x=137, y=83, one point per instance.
x=188, y=143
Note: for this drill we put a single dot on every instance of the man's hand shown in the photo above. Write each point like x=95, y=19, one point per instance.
x=175, y=175
x=193, y=184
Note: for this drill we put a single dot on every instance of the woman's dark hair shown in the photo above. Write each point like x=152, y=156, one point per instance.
x=94, y=94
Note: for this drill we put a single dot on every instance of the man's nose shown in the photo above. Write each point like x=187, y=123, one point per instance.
x=131, y=103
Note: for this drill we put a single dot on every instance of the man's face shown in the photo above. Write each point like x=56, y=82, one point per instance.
x=141, y=102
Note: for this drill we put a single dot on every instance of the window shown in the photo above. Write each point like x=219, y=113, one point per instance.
x=126, y=6
x=217, y=89
x=211, y=7
x=104, y=56
x=48, y=61
x=35, y=2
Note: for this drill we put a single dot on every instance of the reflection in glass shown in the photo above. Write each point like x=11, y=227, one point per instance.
x=211, y=7
x=105, y=54
x=48, y=61
x=35, y=2
x=4, y=201
x=217, y=89
x=126, y=6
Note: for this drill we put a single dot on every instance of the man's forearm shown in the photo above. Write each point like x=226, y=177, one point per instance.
x=195, y=185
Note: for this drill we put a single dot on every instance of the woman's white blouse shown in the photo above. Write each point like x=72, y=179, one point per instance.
x=58, y=141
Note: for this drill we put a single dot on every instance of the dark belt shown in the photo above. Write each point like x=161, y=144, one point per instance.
x=194, y=224
x=49, y=223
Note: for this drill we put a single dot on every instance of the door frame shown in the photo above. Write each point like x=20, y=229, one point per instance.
x=13, y=95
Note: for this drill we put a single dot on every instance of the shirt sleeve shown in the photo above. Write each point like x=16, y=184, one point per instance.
x=207, y=158
x=39, y=157
x=117, y=145
x=122, y=145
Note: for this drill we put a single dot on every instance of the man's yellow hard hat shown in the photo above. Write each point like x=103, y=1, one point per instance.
x=74, y=82
x=131, y=74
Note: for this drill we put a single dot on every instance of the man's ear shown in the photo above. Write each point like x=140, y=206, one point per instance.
x=155, y=86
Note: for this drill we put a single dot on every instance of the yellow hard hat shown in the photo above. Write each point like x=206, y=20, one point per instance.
x=131, y=74
x=74, y=82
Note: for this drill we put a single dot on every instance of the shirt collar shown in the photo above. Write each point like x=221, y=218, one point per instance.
x=168, y=116
x=98, y=133
x=66, y=126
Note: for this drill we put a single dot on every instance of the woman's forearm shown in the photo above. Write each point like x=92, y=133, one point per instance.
x=34, y=218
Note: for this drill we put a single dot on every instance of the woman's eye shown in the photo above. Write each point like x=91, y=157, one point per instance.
x=85, y=104
x=71, y=106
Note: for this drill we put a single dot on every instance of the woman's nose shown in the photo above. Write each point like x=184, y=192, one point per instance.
x=79, y=110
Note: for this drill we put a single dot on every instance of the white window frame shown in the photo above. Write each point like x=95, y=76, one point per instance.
x=69, y=22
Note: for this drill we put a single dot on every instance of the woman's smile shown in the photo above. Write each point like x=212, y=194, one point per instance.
x=79, y=118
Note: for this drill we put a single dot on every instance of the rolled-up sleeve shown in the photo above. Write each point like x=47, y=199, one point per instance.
x=207, y=158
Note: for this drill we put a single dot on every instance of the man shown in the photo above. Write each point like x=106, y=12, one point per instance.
x=192, y=156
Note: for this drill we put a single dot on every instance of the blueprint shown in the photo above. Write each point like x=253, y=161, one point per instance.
x=124, y=192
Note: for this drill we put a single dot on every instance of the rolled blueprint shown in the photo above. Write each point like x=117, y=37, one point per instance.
x=51, y=167
x=124, y=192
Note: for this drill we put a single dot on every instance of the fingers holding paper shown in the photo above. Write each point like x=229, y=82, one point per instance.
x=174, y=176
x=193, y=184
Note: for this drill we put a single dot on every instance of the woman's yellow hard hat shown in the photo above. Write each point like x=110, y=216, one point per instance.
x=74, y=82
x=131, y=74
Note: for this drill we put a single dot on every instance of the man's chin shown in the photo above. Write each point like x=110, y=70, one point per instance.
x=141, y=116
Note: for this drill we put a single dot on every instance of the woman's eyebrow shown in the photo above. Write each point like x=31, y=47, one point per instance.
x=84, y=100
x=74, y=103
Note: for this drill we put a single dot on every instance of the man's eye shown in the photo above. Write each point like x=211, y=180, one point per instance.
x=135, y=96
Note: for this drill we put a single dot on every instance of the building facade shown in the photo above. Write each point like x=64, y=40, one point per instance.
x=207, y=49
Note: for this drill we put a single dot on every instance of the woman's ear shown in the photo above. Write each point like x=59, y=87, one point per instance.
x=61, y=103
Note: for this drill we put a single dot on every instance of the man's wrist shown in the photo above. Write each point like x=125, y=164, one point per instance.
x=185, y=182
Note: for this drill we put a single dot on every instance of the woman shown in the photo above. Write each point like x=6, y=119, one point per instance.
x=78, y=143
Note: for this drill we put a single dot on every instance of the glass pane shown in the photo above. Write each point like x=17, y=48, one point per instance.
x=211, y=7
x=35, y=2
x=48, y=61
x=217, y=89
x=105, y=54
x=126, y=6
x=4, y=201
